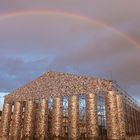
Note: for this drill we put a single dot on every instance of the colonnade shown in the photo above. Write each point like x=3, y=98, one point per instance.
x=36, y=122
x=115, y=115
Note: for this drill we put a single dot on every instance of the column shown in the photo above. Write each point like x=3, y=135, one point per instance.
x=73, y=117
x=6, y=118
x=42, y=120
x=138, y=122
x=11, y=123
x=29, y=120
x=112, y=116
x=91, y=116
x=57, y=117
x=134, y=121
x=17, y=119
x=131, y=121
x=0, y=125
x=121, y=116
x=126, y=118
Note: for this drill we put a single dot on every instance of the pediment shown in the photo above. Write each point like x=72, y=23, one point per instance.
x=55, y=84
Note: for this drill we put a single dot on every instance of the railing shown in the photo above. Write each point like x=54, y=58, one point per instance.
x=126, y=95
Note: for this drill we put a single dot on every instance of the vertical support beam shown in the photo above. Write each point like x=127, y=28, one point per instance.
x=17, y=119
x=91, y=116
x=121, y=116
x=29, y=120
x=0, y=125
x=112, y=116
x=136, y=122
x=139, y=122
x=126, y=118
x=73, y=117
x=6, y=118
x=57, y=117
x=108, y=116
x=131, y=121
x=42, y=120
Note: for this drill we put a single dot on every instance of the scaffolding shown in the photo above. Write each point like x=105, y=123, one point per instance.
x=67, y=107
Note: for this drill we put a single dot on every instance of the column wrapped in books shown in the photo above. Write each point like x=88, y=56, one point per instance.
x=57, y=117
x=6, y=118
x=17, y=120
x=112, y=116
x=42, y=120
x=121, y=116
x=29, y=120
x=73, y=116
x=91, y=116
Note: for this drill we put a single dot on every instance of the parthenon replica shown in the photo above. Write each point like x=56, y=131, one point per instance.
x=62, y=106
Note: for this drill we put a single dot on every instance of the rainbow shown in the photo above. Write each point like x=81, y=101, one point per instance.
x=72, y=15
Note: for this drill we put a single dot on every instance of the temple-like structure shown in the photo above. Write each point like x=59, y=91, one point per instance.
x=63, y=106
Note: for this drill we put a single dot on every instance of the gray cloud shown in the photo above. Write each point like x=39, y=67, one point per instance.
x=15, y=72
x=31, y=45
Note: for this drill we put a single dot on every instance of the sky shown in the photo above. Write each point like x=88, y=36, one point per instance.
x=87, y=37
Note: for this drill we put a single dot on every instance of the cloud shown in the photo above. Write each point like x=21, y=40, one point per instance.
x=31, y=45
x=16, y=72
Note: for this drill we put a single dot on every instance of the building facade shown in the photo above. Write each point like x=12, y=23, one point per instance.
x=63, y=106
